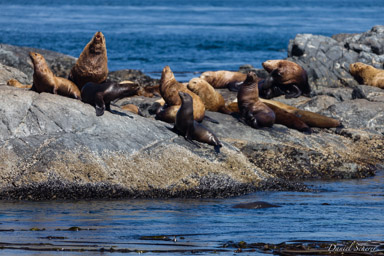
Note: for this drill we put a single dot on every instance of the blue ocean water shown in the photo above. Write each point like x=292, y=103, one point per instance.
x=190, y=36
x=342, y=210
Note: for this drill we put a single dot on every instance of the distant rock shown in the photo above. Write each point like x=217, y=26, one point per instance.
x=255, y=205
x=18, y=58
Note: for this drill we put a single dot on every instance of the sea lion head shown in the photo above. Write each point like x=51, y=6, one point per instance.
x=166, y=74
x=194, y=82
x=270, y=65
x=97, y=44
x=355, y=68
x=185, y=97
x=251, y=78
x=207, y=75
x=38, y=60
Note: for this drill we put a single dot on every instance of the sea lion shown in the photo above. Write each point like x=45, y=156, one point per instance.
x=212, y=99
x=101, y=95
x=45, y=81
x=310, y=118
x=366, y=74
x=169, y=89
x=186, y=126
x=224, y=79
x=92, y=65
x=132, y=108
x=286, y=77
x=17, y=84
x=253, y=112
x=147, y=91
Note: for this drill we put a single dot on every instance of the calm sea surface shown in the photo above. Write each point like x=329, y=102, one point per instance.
x=190, y=36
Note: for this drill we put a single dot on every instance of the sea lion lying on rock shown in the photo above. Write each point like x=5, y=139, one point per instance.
x=169, y=89
x=17, y=84
x=286, y=77
x=366, y=74
x=224, y=79
x=45, y=81
x=186, y=126
x=101, y=95
x=92, y=65
x=253, y=112
x=212, y=99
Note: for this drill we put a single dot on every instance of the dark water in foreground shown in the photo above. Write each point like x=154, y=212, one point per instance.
x=351, y=209
x=190, y=36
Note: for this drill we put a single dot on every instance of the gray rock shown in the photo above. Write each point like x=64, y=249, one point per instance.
x=18, y=57
x=327, y=60
x=7, y=73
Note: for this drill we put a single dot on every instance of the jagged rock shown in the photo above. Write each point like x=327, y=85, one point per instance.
x=327, y=60
x=7, y=73
x=18, y=57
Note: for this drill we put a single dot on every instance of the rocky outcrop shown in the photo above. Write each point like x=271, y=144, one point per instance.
x=327, y=60
x=55, y=147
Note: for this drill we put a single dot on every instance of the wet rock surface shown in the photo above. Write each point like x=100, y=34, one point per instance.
x=52, y=147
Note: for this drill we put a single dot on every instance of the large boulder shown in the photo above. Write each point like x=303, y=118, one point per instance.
x=7, y=73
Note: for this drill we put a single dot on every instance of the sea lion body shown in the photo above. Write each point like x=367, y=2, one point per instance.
x=101, y=95
x=186, y=126
x=253, y=112
x=368, y=75
x=224, y=79
x=17, y=84
x=213, y=100
x=92, y=64
x=45, y=81
x=310, y=118
x=169, y=89
x=290, y=78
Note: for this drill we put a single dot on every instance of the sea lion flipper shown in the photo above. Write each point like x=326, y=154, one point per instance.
x=207, y=118
x=108, y=106
x=296, y=92
x=99, y=104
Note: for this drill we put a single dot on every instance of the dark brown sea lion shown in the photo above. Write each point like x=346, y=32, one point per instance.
x=212, y=99
x=224, y=79
x=92, y=65
x=253, y=112
x=17, y=84
x=366, y=74
x=186, y=126
x=255, y=205
x=45, y=81
x=286, y=77
x=169, y=89
x=310, y=118
x=101, y=95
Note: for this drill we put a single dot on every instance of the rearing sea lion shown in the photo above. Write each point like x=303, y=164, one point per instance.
x=186, y=126
x=286, y=77
x=92, y=65
x=253, y=112
x=169, y=89
x=45, y=81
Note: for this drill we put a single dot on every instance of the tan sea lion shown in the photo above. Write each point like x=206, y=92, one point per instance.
x=169, y=89
x=17, y=84
x=286, y=77
x=45, y=81
x=92, y=65
x=186, y=126
x=366, y=74
x=101, y=95
x=132, y=108
x=212, y=99
x=253, y=112
x=224, y=79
